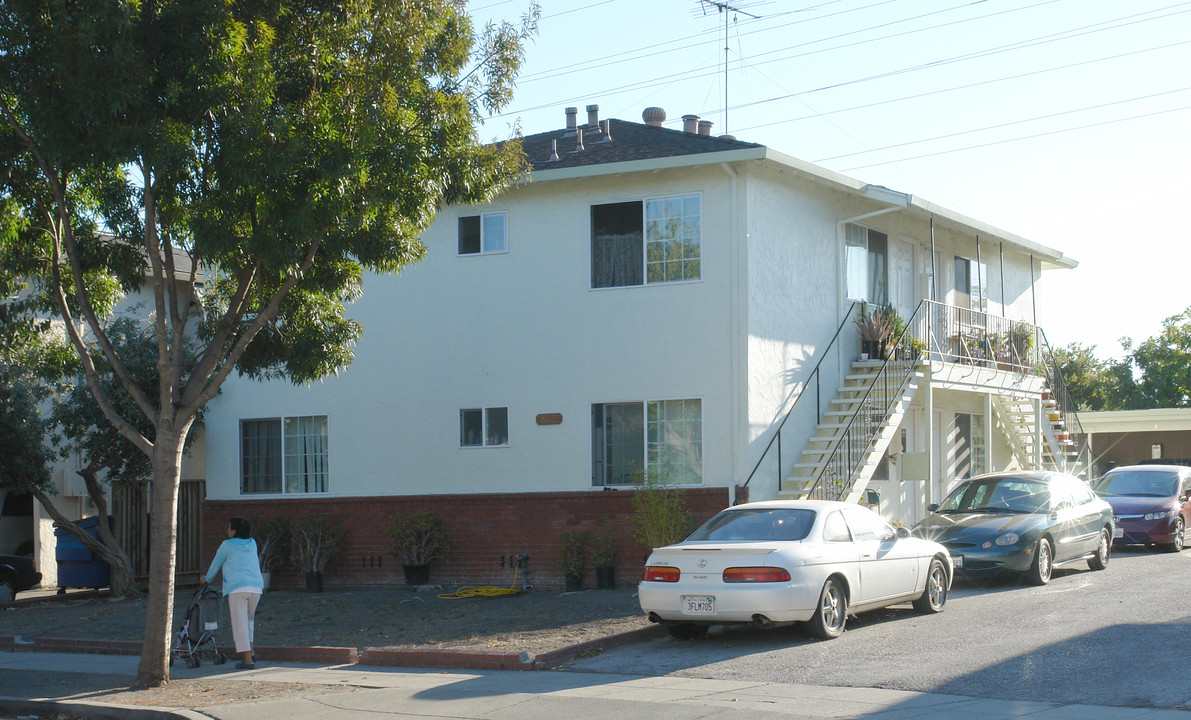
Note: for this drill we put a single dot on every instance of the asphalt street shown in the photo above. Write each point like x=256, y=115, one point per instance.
x=1116, y=637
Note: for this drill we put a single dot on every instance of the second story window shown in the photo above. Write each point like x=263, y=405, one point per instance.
x=483, y=234
x=646, y=241
x=866, y=264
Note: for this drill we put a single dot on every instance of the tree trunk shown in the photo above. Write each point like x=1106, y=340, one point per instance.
x=163, y=539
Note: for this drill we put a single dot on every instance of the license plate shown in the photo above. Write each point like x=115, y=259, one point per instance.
x=698, y=605
x=957, y=560
x=1118, y=533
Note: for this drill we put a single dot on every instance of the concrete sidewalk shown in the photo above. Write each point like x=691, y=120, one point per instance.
x=36, y=683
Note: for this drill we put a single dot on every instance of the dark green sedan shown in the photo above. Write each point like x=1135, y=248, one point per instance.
x=1021, y=522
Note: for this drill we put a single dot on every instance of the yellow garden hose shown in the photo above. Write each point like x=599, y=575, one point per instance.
x=486, y=591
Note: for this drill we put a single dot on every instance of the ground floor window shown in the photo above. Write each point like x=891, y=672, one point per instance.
x=284, y=455
x=661, y=440
x=484, y=427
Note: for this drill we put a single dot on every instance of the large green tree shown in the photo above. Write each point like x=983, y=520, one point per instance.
x=1096, y=384
x=1164, y=364
x=247, y=162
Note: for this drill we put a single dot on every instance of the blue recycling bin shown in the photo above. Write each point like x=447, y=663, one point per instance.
x=78, y=567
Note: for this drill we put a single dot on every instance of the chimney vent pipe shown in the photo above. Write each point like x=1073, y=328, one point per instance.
x=690, y=123
x=553, y=151
x=705, y=127
x=579, y=144
x=572, y=119
x=593, y=116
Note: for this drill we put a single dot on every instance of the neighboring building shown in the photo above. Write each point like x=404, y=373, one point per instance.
x=652, y=301
x=1129, y=437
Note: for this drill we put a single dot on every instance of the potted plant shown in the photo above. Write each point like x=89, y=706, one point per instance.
x=315, y=543
x=1021, y=341
x=603, y=557
x=572, y=558
x=659, y=514
x=418, y=538
x=273, y=543
x=875, y=326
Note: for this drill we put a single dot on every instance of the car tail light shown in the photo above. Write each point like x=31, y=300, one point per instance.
x=661, y=573
x=756, y=575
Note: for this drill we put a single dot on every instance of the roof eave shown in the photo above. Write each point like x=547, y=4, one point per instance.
x=648, y=165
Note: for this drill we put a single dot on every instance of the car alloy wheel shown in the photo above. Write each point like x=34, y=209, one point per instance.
x=1099, y=561
x=832, y=612
x=934, y=596
x=1040, y=571
x=1180, y=532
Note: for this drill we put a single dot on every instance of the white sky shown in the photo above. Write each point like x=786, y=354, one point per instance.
x=1063, y=121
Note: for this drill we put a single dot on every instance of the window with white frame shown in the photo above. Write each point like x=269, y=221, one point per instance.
x=866, y=264
x=483, y=234
x=284, y=455
x=484, y=427
x=657, y=240
x=661, y=440
x=971, y=284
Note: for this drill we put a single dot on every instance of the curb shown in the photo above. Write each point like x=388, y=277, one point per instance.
x=95, y=710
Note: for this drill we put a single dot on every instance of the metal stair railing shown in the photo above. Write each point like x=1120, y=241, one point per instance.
x=1065, y=407
x=836, y=479
x=775, y=441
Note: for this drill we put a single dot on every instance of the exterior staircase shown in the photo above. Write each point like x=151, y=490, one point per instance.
x=852, y=436
x=1018, y=418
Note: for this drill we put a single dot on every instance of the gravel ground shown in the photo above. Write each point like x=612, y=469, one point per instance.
x=533, y=622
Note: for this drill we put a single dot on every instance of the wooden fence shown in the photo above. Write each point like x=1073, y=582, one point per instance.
x=130, y=514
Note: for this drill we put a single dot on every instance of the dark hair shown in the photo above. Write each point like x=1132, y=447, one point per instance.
x=241, y=528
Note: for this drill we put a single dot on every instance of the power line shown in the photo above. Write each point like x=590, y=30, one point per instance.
x=965, y=86
x=1023, y=137
x=1007, y=124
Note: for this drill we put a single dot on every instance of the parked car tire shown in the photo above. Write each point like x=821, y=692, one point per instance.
x=8, y=591
x=1040, y=571
x=934, y=595
x=831, y=613
x=1180, y=531
x=1099, y=561
x=687, y=631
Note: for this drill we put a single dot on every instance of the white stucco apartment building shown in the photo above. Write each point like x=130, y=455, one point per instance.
x=650, y=300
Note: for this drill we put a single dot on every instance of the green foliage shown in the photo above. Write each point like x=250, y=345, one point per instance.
x=1164, y=363
x=572, y=556
x=316, y=543
x=1095, y=384
x=659, y=514
x=23, y=456
x=80, y=424
x=603, y=549
x=419, y=538
x=273, y=539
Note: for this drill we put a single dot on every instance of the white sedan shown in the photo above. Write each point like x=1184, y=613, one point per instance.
x=791, y=561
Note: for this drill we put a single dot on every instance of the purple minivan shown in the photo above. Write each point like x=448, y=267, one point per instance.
x=1151, y=504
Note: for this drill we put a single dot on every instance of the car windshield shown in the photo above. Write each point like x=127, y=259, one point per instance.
x=757, y=524
x=998, y=495
x=1142, y=483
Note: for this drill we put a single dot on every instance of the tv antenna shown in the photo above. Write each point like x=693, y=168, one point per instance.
x=725, y=8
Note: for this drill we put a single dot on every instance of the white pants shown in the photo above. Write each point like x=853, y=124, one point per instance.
x=242, y=608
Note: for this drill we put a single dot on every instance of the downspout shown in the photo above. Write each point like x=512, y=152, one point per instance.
x=1004, y=310
x=980, y=280
x=1033, y=290
x=933, y=280
x=739, y=341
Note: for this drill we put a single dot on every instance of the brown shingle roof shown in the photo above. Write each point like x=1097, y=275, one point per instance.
x=630, y=141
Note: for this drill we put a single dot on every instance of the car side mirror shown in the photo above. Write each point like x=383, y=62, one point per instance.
x=932, y=507
x=903, y=532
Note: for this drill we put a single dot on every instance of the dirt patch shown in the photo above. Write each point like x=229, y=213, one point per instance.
x=533, y=623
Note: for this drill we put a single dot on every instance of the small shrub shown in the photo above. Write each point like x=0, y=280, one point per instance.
x=418, y=538
x=316, y=543
x=659, y=515
x=572, y=560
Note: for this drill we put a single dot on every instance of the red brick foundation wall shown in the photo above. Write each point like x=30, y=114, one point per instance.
x=484, y=530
